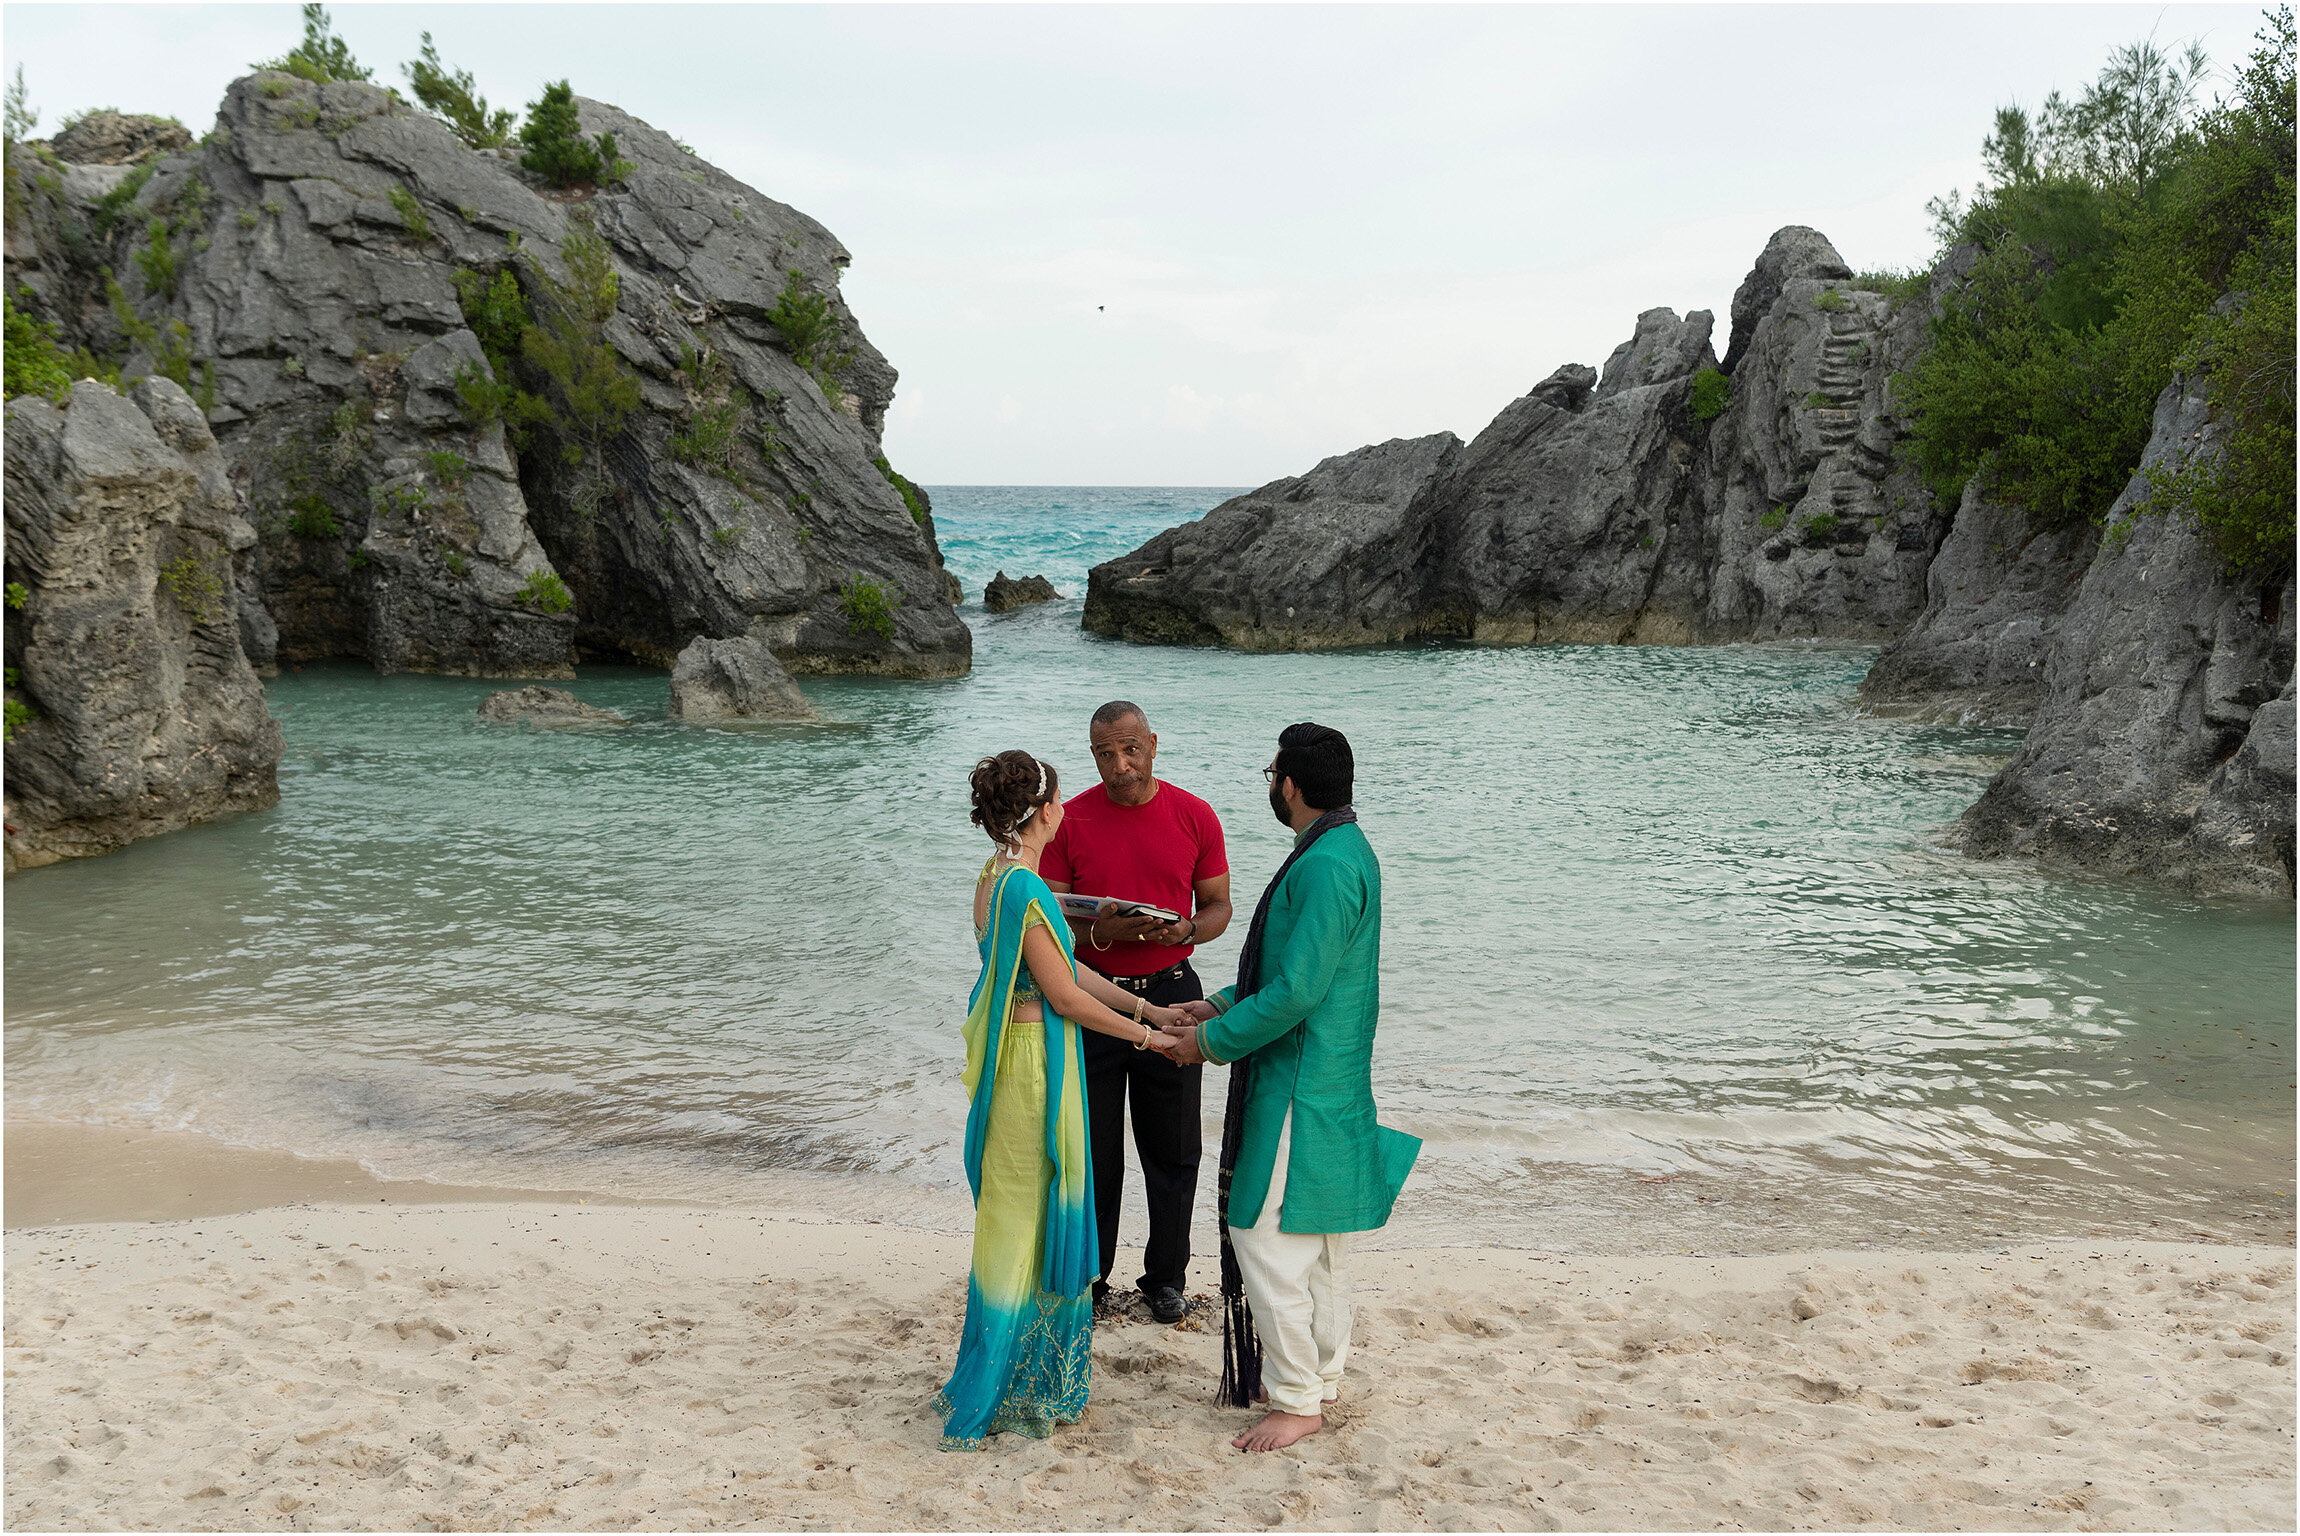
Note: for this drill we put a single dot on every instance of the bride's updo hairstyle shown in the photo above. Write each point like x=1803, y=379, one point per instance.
x=1008, y=790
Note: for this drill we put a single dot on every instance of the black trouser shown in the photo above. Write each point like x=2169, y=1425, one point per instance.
x=1166, y=1135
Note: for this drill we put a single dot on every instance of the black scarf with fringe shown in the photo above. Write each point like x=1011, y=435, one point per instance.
x=1241, y=1346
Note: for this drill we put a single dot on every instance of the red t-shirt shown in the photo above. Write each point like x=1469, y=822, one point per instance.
x=1152, y=853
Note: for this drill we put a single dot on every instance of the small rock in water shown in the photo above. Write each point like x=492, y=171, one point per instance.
x=1003, y=593
x=735, y=679
x=543, y=708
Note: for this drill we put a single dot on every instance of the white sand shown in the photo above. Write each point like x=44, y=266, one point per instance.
x=531, y=1365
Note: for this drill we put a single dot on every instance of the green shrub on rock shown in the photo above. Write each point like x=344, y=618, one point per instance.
x=868, y=605
x=1712, y=392
x=547, y=592
x=321, y=56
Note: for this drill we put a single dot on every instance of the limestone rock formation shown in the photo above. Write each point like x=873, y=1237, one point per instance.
x=301, y=266
x=1004, y=593
x=106, y=137
x=1313, y=560
x=735, y=679
x=1994, y=599
x=543, y=709
x=126, y=556
x=2163, y=740
x=1597, y=508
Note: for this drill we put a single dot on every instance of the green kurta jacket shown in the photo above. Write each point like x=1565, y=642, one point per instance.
x=1310, y=1028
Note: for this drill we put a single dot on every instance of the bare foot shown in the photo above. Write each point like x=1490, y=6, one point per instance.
x=1279, y=1430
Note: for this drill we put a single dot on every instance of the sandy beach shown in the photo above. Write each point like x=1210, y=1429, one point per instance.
x=511, y=1365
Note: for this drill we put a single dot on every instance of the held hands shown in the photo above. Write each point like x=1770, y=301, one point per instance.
x=1167, y=1027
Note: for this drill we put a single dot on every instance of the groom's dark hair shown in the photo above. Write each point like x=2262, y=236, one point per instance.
x=1317, y=758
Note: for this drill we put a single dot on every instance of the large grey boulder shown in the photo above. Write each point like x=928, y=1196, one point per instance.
x=736, y=679
x=1994, y=598
x=125, y=536
x=543, y=709
x=2142, y=759
x=1309, y=562
x=315, y=239
x=1598, y=508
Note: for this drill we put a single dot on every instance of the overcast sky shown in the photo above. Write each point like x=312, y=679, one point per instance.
x=1181, y=245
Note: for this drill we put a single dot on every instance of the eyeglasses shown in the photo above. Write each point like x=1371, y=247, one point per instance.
x=1270, y=775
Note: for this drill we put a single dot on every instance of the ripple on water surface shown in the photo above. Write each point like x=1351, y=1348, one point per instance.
x=1669, y=957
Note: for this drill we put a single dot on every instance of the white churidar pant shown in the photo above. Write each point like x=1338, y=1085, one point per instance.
x=1300, y=1296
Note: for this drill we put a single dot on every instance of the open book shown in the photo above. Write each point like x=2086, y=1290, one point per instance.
x=1084, y=907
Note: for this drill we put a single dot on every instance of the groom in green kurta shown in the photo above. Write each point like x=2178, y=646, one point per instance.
x=1311, y=1165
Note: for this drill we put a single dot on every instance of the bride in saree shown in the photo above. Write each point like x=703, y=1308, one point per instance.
x=1026, y=1349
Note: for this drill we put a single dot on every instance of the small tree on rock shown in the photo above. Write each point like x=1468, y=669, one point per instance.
x=321, y=56
x=453, y=98
x=557, y=150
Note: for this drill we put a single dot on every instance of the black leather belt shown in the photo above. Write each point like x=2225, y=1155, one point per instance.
x=1143, y=984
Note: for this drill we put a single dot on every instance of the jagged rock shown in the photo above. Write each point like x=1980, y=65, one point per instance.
x=2142, y=758
x=317, y=236
x=543, y=708
x=1794, y=253
x=734, y=679
x=1002, y=594
x=1993, y=603
x=125, y=532
x=1596, y=509
x=118, y=138
x=1307, y=562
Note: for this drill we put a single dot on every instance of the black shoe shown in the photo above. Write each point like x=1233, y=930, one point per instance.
x=1167, y=1304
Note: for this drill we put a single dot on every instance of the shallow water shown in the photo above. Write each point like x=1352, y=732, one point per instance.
x=1669, y=959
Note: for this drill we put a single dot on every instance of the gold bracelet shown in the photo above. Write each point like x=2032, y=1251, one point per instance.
x=1093, y=937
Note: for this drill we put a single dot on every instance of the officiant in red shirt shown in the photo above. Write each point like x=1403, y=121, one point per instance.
x=1134, y=838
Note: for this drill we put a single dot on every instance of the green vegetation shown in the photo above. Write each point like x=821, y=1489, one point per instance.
x=170, y=345
x=711, y=435
x=587, y=388
x=1894, y=283
x=455, y=562
x=35, y=365
x=18, y=715
x=18, y=595
x=868, y=606
x=2125, y=237
x=1816, y=401
x=731, y=534
x=321, y=56
x=158, y=260
x=557, y=150
x=909, y=491
x=1820, y=526
x=411, y=214
x=1775, y=520
x=810, y=333
x=196, y=589
x=546, y=592
x=447, y=466
x=1829, y=299
x=1712, y=392
x=454, y=99
x=17, y=112
x=113, y=205
x=310, y=517
x=359, y=559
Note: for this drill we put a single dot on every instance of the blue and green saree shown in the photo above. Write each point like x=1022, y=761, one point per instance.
x=1027, y=1348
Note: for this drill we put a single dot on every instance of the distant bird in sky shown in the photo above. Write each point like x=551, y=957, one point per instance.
x=1097, y=309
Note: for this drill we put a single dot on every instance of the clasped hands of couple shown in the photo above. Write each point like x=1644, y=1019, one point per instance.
x=1173, y=1031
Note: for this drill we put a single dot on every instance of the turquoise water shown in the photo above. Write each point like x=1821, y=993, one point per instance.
x=1670, y=959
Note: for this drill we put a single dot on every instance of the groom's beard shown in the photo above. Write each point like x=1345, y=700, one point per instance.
x=1278, y=807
